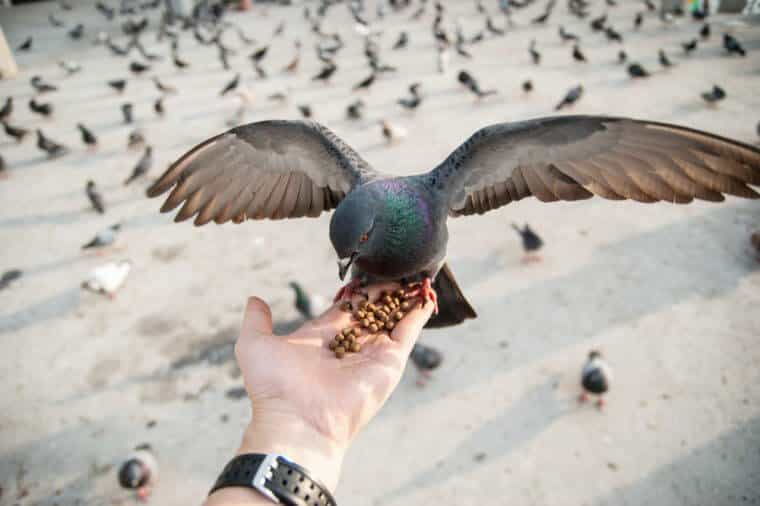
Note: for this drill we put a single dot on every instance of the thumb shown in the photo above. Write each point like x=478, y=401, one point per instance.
x=257, y=317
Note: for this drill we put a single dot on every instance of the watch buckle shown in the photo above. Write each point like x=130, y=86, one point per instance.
x=264, y=473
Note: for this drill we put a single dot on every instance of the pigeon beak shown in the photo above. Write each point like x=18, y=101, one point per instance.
x=345, y=263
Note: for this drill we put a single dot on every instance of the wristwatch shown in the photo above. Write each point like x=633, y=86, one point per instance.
x=276, y=477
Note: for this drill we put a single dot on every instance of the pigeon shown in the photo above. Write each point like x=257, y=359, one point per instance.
x=534, y=54
x=597, y=24
x=179, y=62
x=108, y=278
x=531, y=243
x=7, y=109
x=638, y=20
x=394, y=228
x=595, y=378
x=612, y=34
x=17, y=133
x=158, y=106
x=279, y=30
x=118, y=84
x=52, y=148
x=95, y=197
x=106, y=11
x=690, y=46
x=3, y=168
x=136, y=140
x=43, y=109
x=142, y=167
x=578, y=54
x=104, y=238
x=664, y=60
x=138, y=68
x=259, y=55
x=411, y=103
x=755, y=242
x=308, y=305
x=230, y=86
x=402, y=41
x=635, y=70
x=326, y=72
x=715, y=95
x=527, y=86
x=622, y=56
x=126, y=112
x=71, y=67
x=305, y=110
x=469, y=82
x=40, y=86
x=293, y=65
x=355, y=110
x=77, y=32
x=732, y=45
x=164, y=88
x=492, y=28
x=88, y=137
x=704, y=32
x=565, y=35
x=571, y=97
x=392, y=132
x=365, y=83
x=9, y=277
x=26, y=45
x=650, y=5
x=426, y=359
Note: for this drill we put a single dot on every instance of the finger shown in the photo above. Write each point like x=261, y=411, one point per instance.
x=257, y=317
x=409, y=328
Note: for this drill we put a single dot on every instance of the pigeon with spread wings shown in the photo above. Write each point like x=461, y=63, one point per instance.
x=394, y=228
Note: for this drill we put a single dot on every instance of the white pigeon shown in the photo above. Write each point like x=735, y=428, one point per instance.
x=392, y=132
x=108, y=278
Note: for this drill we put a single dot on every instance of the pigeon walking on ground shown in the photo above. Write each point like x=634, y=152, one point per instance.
x=17, y=133
x=595, y=378
x=43, y=109
x=88, y=137
x=108, y=278
x=230, y=86
x=9, y=277
x=103, y=239
x=118, y=84
x=142, y=167
x=49, y=146
x=531, y=243
x=307, y=305
x=7, y=109
x=355, y=109
x=572, y=96
x=394, y=228
x=392, y=132
x=636, y=71
x=425, y=359
x=126, y=113
x=26, y=45
x=95, y=197
x=732, y=45
x=469, y=82
x=664, y=60
x=715, y=95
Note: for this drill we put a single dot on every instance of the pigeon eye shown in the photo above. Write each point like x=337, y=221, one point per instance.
x=364, y=237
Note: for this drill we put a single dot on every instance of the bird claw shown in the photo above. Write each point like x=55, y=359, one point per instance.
x=347, y=291
x=425, y=290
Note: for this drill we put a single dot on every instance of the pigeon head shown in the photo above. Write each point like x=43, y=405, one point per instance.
x=352, y=229
x=133, y=474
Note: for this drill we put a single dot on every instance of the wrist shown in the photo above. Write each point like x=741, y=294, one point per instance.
x=297, y=441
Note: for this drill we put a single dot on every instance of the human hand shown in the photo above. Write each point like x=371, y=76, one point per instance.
x=307, y=404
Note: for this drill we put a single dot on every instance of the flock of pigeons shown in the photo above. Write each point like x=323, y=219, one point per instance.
x=210, y=27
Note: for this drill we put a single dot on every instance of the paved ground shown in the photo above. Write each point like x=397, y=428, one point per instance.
x=669, y=293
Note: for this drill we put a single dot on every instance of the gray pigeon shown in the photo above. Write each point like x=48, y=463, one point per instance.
x=596, y=376
x=394, y=228
x=426, y=359
x=142, y=167
x=104, y=238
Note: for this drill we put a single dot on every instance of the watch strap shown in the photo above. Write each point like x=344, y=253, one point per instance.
x=276, y=477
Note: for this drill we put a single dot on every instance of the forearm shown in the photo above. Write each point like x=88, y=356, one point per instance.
x=292, y=439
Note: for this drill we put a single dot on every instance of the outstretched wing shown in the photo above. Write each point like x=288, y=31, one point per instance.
x=576, y=157
x=269, y=169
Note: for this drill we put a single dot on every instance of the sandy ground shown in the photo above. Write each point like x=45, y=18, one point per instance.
x=669, y=293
